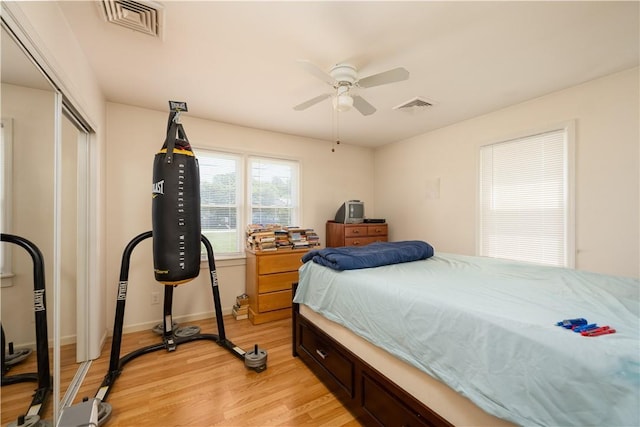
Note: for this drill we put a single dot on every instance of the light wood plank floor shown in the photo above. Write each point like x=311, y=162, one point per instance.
x=202, y=384
x=16, y=398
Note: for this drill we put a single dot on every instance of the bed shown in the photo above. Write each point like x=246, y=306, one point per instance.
x=460, y=340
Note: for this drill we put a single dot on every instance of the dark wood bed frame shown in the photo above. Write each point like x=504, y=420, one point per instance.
x=370, y=396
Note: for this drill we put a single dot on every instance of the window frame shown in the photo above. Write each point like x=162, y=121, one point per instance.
x=570, y=154
x=295, y=208
x=6, y=194
x=243, y=191
x=239, y=173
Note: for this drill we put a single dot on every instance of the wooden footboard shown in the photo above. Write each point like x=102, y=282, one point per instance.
x=369, y=395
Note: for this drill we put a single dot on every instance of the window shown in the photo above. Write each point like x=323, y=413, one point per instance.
x=229, y=201
x=526, y=199
x=273, y=189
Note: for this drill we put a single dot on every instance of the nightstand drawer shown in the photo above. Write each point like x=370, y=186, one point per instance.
x=274, y=300
x=276, y=282
x=279, y=262
x=340, y=368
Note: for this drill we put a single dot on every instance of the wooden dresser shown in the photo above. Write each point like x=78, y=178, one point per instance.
x=269, y=276
x=339, y=234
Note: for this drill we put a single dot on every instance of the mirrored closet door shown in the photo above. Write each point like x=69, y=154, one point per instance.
x=44, y=200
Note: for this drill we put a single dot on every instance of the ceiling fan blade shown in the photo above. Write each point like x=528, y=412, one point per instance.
x=311, y=102
x=363, y=106
x=391, y=76
x=313, y=69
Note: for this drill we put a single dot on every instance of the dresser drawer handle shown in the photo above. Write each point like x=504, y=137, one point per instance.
x=356, y=231
x=322, y=354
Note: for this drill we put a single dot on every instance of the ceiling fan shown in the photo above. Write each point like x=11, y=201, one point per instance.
x=343, y=78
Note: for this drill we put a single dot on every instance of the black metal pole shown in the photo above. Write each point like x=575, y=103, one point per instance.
x=4, y=367
x=40, y=308
x=214, y=287
x=167, y=320
x=116, y=342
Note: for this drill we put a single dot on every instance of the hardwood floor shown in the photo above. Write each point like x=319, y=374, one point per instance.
x=16, y=398
x=202, y=384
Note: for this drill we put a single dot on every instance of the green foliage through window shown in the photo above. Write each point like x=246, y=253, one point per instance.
x=229, y=204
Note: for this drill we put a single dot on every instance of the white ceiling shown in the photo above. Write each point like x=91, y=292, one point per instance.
x=235, y=62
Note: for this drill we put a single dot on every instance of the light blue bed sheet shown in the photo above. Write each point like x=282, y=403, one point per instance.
x=486, y=327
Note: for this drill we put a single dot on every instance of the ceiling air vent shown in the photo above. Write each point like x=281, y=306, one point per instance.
x=414, y=104
x=142, y=16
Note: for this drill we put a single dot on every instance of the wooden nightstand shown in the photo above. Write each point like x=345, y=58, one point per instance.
x=339, y=234
x=269, y=276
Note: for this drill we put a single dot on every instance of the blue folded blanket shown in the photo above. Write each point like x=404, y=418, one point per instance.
x=372, y=255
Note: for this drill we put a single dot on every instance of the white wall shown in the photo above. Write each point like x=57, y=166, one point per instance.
x=607, y=116
x=134, y=136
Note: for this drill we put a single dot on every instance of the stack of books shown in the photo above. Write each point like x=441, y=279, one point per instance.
x=282, y=239
x=312, y=237
x=303, y=237
x=262, y=237
x=298, y=237
x=241, y=307
x=265, y=241
x=272, y=237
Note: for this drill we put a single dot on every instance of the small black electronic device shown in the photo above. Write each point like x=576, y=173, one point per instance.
x=351, y=212
x=375, y=220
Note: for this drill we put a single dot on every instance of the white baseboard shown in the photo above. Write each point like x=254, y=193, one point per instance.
x=180, y=319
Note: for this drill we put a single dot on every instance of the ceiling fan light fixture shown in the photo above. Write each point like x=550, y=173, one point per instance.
x=342, y=102
x=343, y=77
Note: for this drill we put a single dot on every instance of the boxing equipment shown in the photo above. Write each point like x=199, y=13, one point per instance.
x=170, y=340
x=175, y=213
x=176, y=261
x=43, y=375
x=256, y=359
x=30, y=421
x=13, y=356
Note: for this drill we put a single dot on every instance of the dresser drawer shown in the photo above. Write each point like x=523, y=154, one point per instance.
x=276, y=282
x=274, y=300
x=279, y=262
x=360, y=241
x=327, y=356
x=377, y=230
x=355, y=231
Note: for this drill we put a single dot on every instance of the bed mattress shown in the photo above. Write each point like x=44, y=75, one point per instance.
x=486, y=328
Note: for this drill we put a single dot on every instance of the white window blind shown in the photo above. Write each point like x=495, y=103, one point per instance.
x=273, y=191
x=221, y=200
x=524, y=200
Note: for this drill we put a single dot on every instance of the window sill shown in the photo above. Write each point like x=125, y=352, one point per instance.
x=6, y=280
x=230, y=260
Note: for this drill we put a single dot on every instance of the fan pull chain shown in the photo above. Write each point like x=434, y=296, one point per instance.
x=336, y=115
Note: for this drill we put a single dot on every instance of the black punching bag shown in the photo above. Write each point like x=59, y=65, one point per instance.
x=176, y=209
